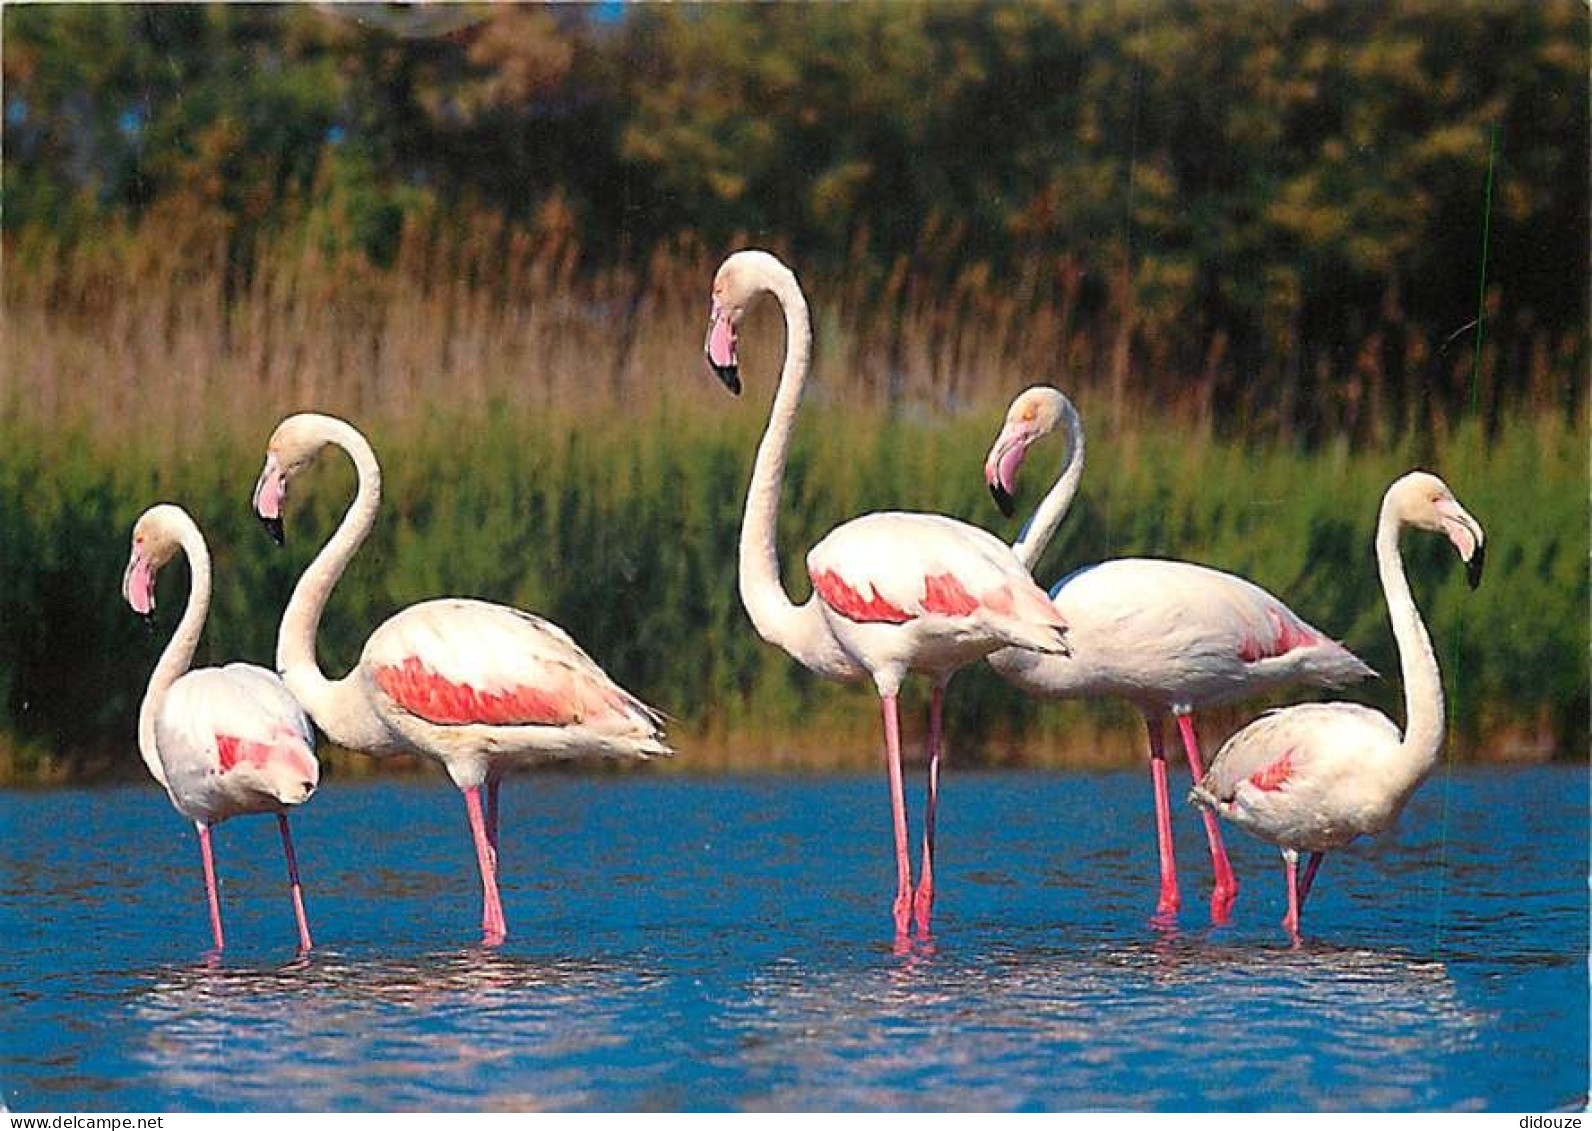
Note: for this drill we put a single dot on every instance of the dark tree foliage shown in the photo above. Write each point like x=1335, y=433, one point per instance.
x=1284, y=203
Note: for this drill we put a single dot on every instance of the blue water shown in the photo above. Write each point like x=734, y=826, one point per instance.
x=682, y=943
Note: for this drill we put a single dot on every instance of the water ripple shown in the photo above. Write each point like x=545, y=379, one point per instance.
x=683, y=945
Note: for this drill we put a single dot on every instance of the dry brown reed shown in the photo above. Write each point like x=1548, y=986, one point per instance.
x=152, y=326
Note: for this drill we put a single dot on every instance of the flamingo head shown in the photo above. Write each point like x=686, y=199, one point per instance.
x=292, y=447
x=724, y=322
x=1423, y=500
x=1033, y=415
x=738, y=281
x=156, y=540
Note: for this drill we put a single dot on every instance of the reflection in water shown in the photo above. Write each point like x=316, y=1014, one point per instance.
x=720, y=963
x=324, y=1033
x=1289, y=1028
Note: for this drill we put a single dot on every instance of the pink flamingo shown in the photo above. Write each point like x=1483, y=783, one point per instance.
x=221, y=741
x=1315, y=776
x=477, y=687
x=892, y=592
x=1170, y=637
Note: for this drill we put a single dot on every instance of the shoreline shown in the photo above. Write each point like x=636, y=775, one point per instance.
x=718, y=754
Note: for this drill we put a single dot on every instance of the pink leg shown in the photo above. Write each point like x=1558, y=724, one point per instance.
x=492, y=784
x=1309, y=877
x=898, y=811
x=293, y=884
x=923, y=901
x=1290, y=866
x=1168, y=902
x=210, y=884
x=1226, y=889
x=493, y=928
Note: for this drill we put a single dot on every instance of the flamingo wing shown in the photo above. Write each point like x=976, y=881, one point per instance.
x=1305, y=777
x=1173, y=599
x=456, y=662
x=218, y=719
x=1199, y=618
x=1272, y=752
x=894, y=567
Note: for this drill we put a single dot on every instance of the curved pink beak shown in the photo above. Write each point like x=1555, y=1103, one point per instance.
x=720, y=348
x=1000, y=466
x=138, y=584
x=269, y=492
x=1466, y=535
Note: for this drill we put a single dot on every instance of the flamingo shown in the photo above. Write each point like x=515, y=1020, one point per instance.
x=221, y=741
x=893, y=592
x=477, y=687
x=1315, y=776
x=1171, y=637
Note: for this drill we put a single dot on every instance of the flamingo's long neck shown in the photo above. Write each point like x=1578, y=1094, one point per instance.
x=1041, y=528
x=344, y=717
x=799, y=630
x=177, y=657
x=1423, y=685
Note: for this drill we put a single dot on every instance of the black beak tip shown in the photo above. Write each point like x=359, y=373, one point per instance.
x=273, y=527
x=149, y=620
x=1003, y=499
x=1473, y=567
x=730, y=375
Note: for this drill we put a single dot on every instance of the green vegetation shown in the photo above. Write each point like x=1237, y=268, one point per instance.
x=623, y=529
x=1272, y=211
x=1246, y=238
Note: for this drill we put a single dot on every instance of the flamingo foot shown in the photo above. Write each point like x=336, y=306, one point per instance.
x=493, y=928
x=1226, y=888
x=901, y=909
x=211, y=893
x=1290, y=923
x=1222, y=902
x=1290, y=865
x=923, y=907
x=306, y=944
x=1168, y=903
x=1166, y=907
x=923, y=899
x=294, y=887
x=1225, y=891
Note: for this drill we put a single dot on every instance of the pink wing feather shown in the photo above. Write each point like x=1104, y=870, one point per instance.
x=461, y=662
x=896, y=567
x=221, y=720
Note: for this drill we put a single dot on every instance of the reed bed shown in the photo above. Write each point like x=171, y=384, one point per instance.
x=551, y=440
x=148, y=325
x=622, y=527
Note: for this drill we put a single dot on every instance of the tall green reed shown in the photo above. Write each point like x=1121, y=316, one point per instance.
x=621, y=525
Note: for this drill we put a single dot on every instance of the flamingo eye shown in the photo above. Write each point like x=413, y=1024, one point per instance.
x=1028, y=414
